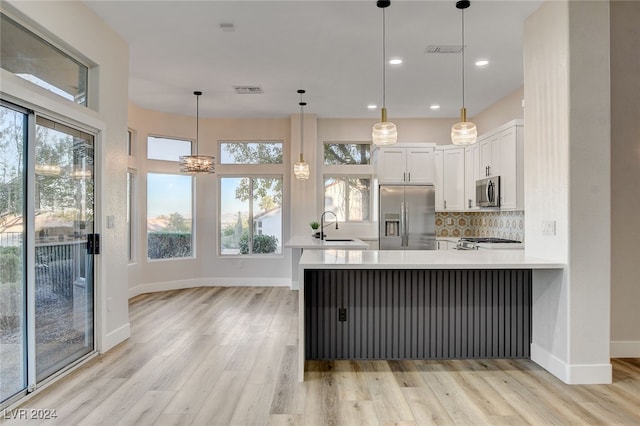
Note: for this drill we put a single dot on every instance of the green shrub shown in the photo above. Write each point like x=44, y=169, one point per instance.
x=262, y=244
x=167, y=245
x=10, y=264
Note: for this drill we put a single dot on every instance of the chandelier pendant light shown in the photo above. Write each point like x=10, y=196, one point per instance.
x=384, y=132
x=197, y=164
x=301, y=168
x=463, y=132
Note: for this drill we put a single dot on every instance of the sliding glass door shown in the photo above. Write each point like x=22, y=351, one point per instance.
x=46, y=220
x=13, y=334
x=63, y=266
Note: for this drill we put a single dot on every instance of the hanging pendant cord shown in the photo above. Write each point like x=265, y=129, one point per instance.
x=301, y=126
x=197, y=120
x=384, y=57
x=463, y=49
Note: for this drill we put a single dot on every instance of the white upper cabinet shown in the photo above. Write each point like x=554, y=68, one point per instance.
x=449, y=178
x=405, y=164
x=490, y=156
x=502, y=154
x=471, y=174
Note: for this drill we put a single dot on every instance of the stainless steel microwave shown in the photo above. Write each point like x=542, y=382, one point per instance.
x=488, y=192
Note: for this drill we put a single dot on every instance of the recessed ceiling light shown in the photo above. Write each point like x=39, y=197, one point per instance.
x=395, y=61
x=434, y=106
x=482, y=63
x=372, y=106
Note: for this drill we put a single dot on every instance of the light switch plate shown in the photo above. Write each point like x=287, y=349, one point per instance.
x=549, y=227
x=111, y=222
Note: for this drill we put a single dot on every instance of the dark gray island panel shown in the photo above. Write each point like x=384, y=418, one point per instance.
x=417, y=313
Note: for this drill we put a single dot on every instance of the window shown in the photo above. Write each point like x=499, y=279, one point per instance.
x=131, y=190
x=339, y=154
x=167, y=149
x=251, y=215
x=130, y=141
x=30, y=57
x=348, y=173
x=169, y=216
x=348, y=197
x=251, y=152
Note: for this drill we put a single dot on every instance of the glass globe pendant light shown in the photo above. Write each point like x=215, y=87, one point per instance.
x=464, y=132
x=197, y=164
x=384, y=132
x=301, y=168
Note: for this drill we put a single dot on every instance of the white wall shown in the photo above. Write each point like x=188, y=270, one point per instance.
x=74, y=26
x=506, y=109
x=625, y=177
x=567, y=180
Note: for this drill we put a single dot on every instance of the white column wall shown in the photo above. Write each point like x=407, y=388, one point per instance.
x=625, y=177
x=567, y=181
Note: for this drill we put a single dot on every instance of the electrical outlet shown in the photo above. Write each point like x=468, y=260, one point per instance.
x=342, y=314
x=549, y=227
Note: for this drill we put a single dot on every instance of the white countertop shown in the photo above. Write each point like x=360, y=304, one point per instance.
x=308, y=242
x=423, y=259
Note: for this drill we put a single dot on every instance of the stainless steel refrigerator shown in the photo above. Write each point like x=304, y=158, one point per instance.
x=407, y=217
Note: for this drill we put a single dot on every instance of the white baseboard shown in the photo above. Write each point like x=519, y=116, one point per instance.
x=117, y=336
x=625, y=349
x=211, y=282
x=572, y=374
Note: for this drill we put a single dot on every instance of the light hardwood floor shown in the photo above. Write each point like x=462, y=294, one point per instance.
x=218, y=356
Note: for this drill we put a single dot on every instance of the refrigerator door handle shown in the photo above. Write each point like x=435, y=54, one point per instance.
x=405, y=224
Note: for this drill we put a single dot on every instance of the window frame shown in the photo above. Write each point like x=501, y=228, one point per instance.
x=364, y=171
x=227, y=141
x=132, y=214
x=251, y=214
x=173, y=138
x=85, y=65
x=193, y=217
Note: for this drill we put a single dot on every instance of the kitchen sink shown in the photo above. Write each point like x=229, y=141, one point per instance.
x=329, y=240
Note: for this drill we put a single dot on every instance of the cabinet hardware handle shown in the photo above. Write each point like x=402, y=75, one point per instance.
x=404, y=176
x=409, y=176
x=445, y=204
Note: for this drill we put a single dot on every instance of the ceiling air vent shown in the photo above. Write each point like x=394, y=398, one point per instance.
x=248, y=90
x=443, y=49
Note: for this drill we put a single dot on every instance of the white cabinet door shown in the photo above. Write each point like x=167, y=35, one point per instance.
x=490, y=156
x=405, y=165
x=420, y=165
x=438, y=179
x=509, y=179
x=471, y=169
x=453, y=179
x=392, y=163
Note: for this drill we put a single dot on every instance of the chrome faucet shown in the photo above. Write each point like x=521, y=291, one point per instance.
x=322, y=225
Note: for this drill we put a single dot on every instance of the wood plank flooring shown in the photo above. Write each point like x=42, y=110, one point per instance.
x=228, y=356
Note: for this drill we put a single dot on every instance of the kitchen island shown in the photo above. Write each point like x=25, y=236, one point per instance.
x=397, y=304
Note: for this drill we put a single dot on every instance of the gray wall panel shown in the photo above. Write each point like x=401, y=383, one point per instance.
x=418, y=314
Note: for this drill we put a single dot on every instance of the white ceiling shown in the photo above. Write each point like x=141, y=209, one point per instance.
x=333, y=49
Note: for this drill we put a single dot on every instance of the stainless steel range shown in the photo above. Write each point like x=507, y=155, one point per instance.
x=473, y=243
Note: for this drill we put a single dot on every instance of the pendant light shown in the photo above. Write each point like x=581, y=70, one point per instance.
x=301, y=168
x=197, y=164
x=384, y=132
x=464, y=132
